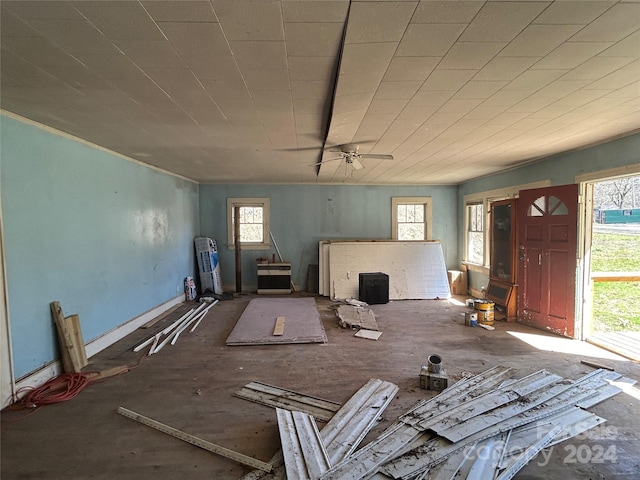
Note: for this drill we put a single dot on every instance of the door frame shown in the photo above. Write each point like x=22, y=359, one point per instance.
x=584, y=290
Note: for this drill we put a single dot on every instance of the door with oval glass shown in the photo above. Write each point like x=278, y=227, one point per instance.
x=548, y=227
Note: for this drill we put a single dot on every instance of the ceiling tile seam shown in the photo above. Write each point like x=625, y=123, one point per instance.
x=293, y=106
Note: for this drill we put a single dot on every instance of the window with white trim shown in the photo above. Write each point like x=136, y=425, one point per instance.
x=475, y=233
x=411, y=218
x=254, y=223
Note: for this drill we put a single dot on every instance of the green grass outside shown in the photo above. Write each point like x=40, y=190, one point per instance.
x=616, y=305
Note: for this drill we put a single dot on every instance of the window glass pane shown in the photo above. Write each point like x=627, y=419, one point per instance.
x=475, y=233
x=251, y=224
x=475, y=243
x=411, y=213
x=402, y=213
x=419, y=213
x=411, y=231
x=251, y=233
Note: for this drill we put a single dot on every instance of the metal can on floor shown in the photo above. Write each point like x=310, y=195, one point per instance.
x=471, y=319
x=485, y=311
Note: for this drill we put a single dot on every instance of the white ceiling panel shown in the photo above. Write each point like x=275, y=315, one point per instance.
x=539, y=40
x=378, y=22
x=449, y=11
x=429, y=40
x=313, y=39
x=260, y=55
x=613, y=25
x=196, y=38
x=575, y=12
x=180, y=11
x=571, y=55
x=151, y=53
x=249, y=91
x=120, y=20
x=501, y=21
x=470, y=55
x=250, y=21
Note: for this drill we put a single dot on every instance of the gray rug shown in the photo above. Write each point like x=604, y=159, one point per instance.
x=255, y=325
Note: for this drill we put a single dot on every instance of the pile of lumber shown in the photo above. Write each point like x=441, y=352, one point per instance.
x=486, y=426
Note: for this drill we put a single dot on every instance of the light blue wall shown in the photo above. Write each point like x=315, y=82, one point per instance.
x=301, y=217
x=107, y=238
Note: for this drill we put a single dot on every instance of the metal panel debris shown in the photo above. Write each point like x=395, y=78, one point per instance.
x=305, y=456
x=486, y=426
x=273, y=396
x=344, y=432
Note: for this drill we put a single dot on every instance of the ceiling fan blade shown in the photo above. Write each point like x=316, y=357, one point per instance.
x=376, y=156
x=325, y=161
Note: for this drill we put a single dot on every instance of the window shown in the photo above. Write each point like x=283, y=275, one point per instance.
x=475, y=233
x=254, y=222
x=411, y=218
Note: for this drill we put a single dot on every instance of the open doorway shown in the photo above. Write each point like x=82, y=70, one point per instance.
x=612, y=317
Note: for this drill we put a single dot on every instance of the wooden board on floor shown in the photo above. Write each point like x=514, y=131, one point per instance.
x=279, y=328
x=255, y=325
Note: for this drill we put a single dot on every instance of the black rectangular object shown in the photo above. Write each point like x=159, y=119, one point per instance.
x=374, y=288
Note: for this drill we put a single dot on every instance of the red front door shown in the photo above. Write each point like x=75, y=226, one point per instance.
x=548, y=226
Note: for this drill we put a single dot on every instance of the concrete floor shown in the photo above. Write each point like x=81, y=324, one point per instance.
x=190, y=385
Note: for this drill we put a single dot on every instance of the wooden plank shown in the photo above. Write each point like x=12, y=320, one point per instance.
x=615, y=276
x=198, y=442
x=596, y=365
x=72, y=348
x=287, y=399
x=279, y=328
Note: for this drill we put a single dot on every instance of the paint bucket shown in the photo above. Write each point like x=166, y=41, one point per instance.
x=485, y=311
x=471, y=319
x=470, y=302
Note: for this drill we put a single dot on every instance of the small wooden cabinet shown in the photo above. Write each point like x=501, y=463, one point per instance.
x=503, y=270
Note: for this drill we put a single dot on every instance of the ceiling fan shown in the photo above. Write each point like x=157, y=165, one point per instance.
x=350, y=153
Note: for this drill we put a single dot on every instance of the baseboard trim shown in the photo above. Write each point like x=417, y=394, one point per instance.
x=109, y=338
x=53, y=369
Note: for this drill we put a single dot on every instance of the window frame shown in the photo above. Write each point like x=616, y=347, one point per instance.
x=425, y=201
x=486, y=198
x=263, y=202
x=468, y=230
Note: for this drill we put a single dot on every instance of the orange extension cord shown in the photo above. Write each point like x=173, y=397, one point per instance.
x=59, y=389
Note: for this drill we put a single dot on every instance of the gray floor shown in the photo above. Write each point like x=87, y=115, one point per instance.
x=190, y=385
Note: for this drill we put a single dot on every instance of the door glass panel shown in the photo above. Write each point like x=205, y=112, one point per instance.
x=536, y=209
x=557, y=206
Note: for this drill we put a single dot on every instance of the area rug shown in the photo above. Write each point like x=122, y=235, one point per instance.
x=302, y=323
